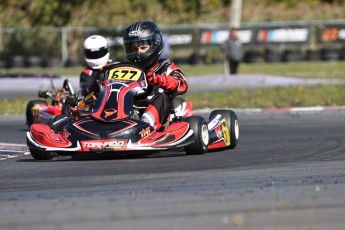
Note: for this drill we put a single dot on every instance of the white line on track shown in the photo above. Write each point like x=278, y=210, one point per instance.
x=12, y=150
x=12, y=144
x=5, y=157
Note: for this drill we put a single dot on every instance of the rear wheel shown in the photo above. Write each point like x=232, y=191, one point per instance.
x=30, y=105
x=200, y=136
x=232, y=124
x=38, y=154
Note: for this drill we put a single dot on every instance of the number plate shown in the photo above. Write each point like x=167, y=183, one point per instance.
x=125, y=74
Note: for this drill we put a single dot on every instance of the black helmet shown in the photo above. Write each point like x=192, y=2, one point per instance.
x=143, y=33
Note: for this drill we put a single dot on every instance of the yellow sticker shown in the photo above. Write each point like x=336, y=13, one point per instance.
x=125, y=74
x=226, y=132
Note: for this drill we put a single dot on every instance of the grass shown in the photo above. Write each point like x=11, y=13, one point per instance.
x=321, y=69
x=331, y=69
x=13, y=106
x=282, y=97
x=260, y=98
x=335, y=70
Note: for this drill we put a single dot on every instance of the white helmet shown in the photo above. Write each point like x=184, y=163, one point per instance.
x=96, y=51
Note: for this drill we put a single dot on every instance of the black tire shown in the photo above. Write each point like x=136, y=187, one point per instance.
x=272, y=54
x=252, y=56
x=18, y=61
x=3, y=63
x=53, y=62
x=292, y=55
x=74, y=62
x=313, y=55
x=330, y=54
x=231, y=123
x=38, y=154
x=30, y=105
x=200, y=136
x=34, y=61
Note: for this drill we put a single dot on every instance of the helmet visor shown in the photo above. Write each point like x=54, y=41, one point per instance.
x=95, y=53
x=133, y=46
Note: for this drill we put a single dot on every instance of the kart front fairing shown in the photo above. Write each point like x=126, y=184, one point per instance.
x=111, y=125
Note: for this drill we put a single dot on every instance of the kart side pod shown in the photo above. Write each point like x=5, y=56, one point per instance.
x=224, y=129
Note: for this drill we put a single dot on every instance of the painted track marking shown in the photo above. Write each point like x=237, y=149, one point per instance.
x=12, y=150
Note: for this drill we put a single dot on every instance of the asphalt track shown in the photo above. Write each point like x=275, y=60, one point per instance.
x=286, y=173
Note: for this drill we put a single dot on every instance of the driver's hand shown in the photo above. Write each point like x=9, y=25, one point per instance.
x=156, y=79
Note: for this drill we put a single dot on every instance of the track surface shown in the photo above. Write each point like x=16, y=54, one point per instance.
x=288, y=172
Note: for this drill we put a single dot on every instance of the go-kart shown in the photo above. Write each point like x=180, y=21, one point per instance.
x=40, y=110
x=112, y=124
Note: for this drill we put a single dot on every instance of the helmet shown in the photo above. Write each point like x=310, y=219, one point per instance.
x=96, y=51
x=143, y=33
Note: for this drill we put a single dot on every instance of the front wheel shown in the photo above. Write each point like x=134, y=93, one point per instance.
x=30, y=118
x=231, y=122
x=38, y=154
x=200, y=136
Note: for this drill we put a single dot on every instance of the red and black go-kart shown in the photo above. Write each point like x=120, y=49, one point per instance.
x=39, y=110
x=113, y=125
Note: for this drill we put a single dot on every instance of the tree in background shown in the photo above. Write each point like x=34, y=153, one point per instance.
x=115, y=15
x=110, y=13
x=33, y=13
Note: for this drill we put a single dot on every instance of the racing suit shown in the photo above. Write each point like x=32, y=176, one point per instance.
x=89, y=80
x=168, y=81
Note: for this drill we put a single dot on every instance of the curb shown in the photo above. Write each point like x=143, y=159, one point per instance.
x=279, y=110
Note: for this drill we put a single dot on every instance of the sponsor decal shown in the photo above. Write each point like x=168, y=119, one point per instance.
x=218, y=132
x=341, y=34
x=109, y=112
x=226, y=132
x=218, y=37
x=283, y=35
x=104, y=144
x=330, y=34
x=180, y=39
x=213, y=123
x=145, y=132
x=35, y=110
x=135, y=33
x=333, y=34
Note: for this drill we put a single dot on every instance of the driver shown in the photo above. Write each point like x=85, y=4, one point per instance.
x=143, y=45
x=96, y=55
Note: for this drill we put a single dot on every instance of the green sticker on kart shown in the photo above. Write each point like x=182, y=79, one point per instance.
x=124, y=74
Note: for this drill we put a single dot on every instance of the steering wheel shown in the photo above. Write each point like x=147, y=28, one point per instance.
x=144, y=95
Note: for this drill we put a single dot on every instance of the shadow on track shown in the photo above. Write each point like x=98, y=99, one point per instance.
x=110, y=156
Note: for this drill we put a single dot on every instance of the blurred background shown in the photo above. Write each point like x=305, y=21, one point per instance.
x=50, y=33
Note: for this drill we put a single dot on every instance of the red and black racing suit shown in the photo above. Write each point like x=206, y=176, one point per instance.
x=159, y=104
x=89, y=80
